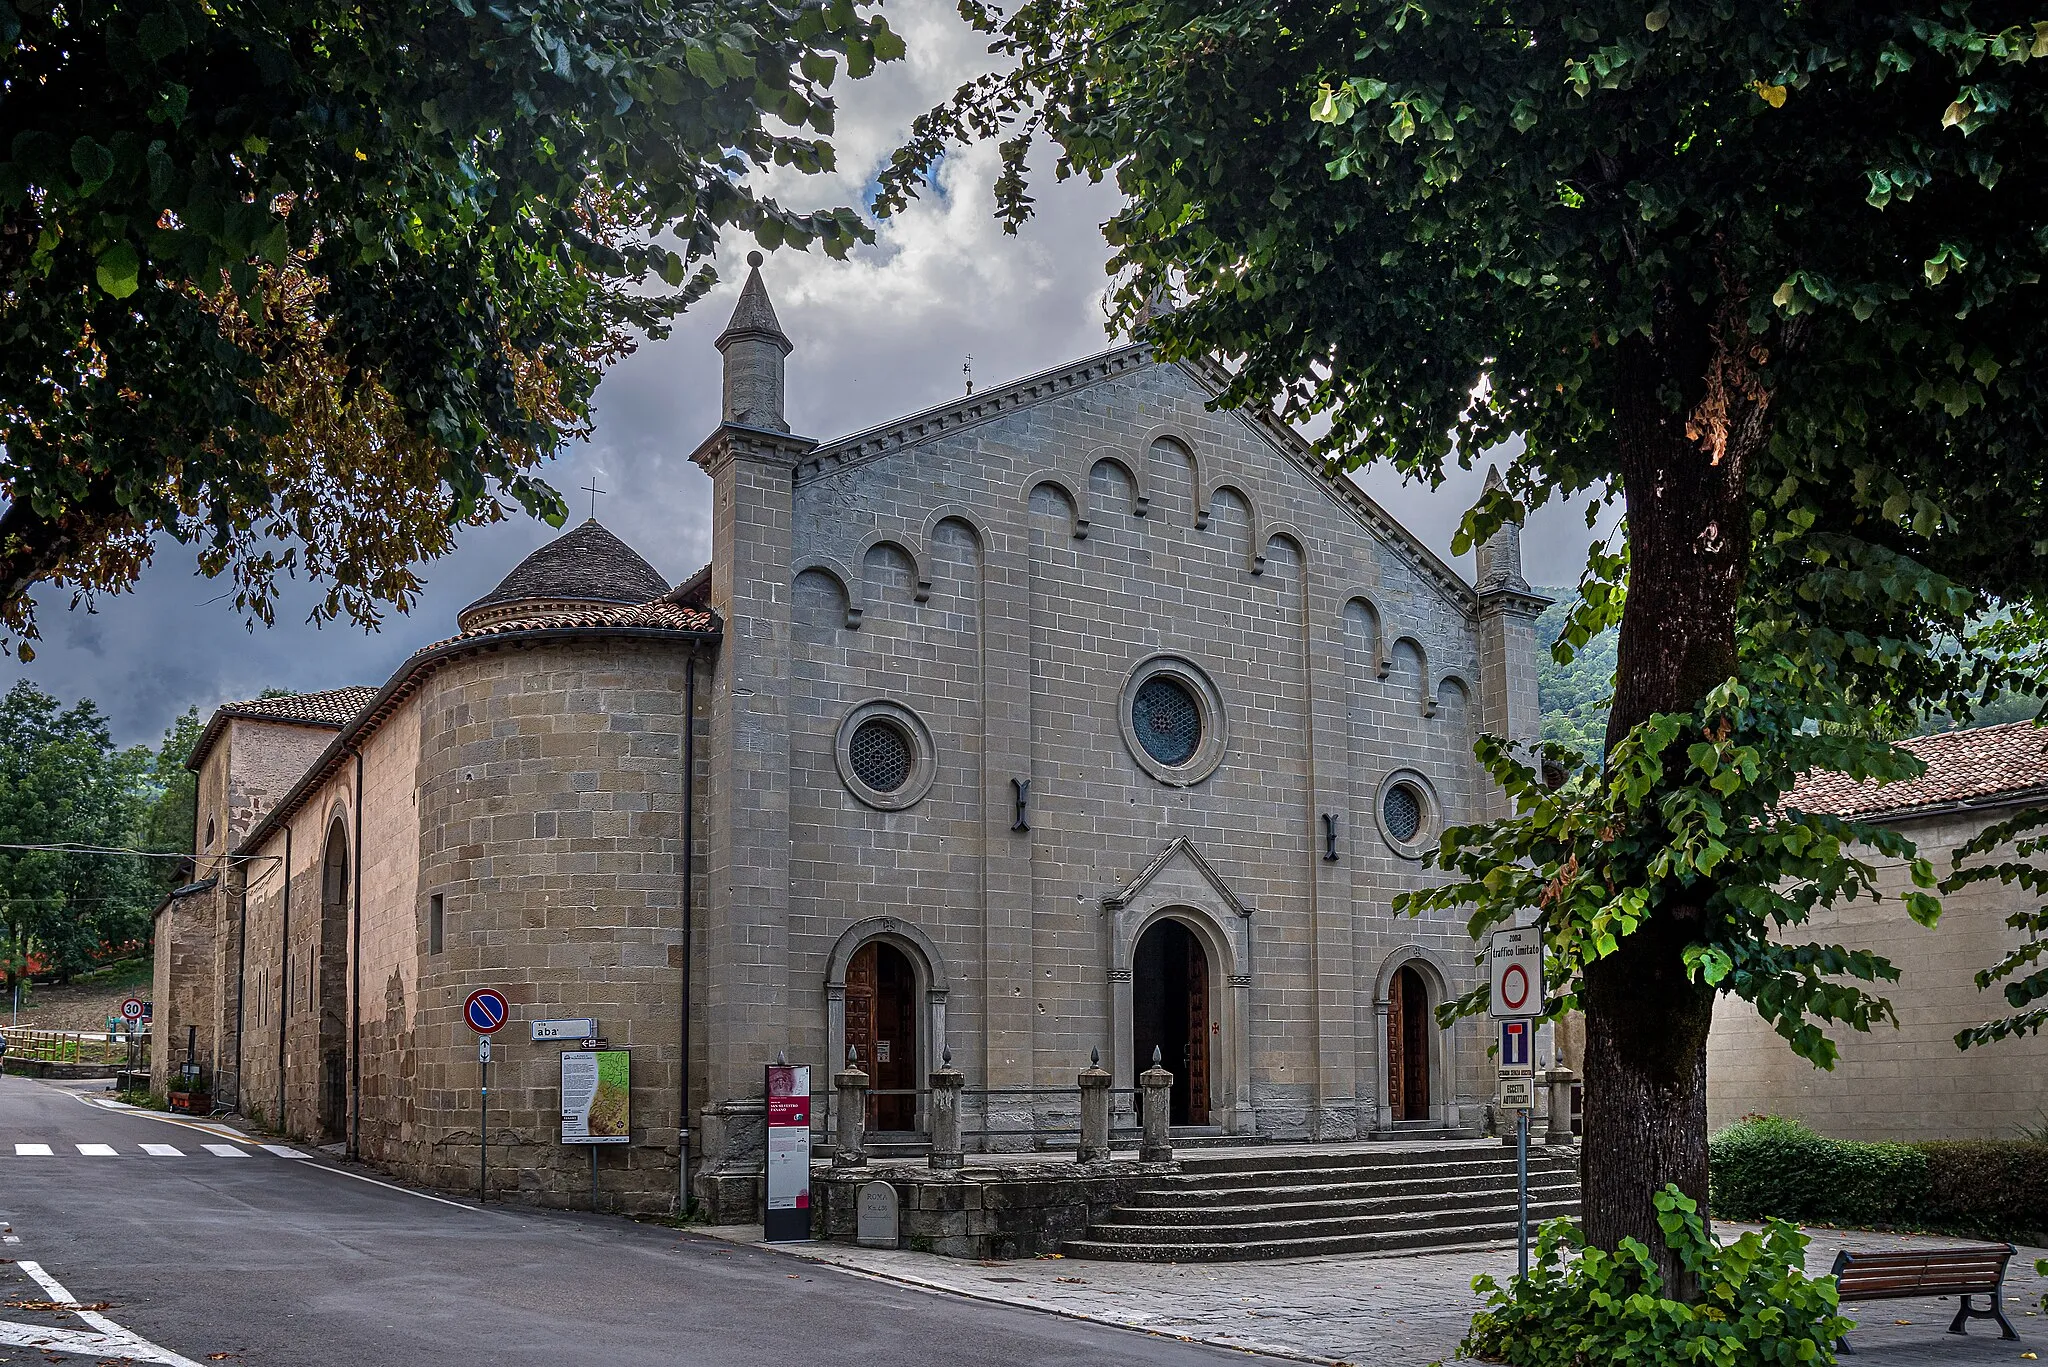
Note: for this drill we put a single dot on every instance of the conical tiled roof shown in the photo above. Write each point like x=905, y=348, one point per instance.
x=586, y=565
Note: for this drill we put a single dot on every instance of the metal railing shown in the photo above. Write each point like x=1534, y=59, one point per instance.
x=92, y=1047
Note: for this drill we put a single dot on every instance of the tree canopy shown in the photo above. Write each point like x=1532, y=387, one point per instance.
x=311, y=285
x=1766, y=271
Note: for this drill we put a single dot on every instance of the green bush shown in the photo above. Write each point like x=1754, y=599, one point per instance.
x=1765, y=1166
x=1581, y=1305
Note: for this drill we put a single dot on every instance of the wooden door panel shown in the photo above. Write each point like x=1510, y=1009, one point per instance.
x=1198, y=1033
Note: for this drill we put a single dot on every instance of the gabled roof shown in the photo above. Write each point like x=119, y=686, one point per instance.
x=1179, y=847
x=585, y=565
x=1988, y=767
x=330, y=710
x=988, y=404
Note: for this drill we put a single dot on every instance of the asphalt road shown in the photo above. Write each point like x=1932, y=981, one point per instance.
x=244, y=1256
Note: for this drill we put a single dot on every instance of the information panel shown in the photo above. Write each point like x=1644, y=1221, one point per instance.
x=789, y=1153
x=597, y=1096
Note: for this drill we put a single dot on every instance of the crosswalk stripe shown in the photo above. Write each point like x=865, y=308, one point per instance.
x=225, y=1151
x=97, y=1151
x=32, y=1151
x=162, y=1151
x=280, y=1150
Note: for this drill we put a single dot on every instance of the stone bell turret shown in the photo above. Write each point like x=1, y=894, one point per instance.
x=1499, y=558
x=754, y=348
x=1508, y=704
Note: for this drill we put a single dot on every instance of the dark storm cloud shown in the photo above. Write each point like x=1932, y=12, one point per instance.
x=877, y=336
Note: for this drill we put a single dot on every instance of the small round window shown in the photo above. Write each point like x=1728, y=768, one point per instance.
x=885, y=755
x=881, y=757
x=1167, y=719
x=1402, y=811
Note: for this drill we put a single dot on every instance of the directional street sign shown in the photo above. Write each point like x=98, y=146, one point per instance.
x=1515, y=1054
x=486, y=1010
x=131, y=1009
x=1514, y=958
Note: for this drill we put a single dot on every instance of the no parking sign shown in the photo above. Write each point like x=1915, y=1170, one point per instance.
x=486, y=1010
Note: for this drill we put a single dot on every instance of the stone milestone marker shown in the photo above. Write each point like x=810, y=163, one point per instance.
x=874, y=1215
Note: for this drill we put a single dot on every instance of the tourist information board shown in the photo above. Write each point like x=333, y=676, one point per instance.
x=1514, y=959
x=789, y=1153
x=597, y=1096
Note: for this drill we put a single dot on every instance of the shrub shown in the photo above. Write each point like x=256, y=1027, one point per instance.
x=1766, y=1166
x=1581, y=1305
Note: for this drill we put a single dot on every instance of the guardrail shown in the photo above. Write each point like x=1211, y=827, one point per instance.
x=73, y=1046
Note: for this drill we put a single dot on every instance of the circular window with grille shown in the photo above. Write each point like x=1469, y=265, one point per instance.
x=1408, y=813
x=1167, y=719
x=885, y=755
x=1172, y=720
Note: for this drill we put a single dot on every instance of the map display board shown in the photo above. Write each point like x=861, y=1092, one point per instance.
x=597, y=1096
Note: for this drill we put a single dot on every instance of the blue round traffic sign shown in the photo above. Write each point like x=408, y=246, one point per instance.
x=486, y=1010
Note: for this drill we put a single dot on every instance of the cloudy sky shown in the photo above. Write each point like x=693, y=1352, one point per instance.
x=877, y=336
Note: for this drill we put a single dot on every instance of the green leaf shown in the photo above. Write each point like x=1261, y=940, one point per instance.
x=94, y=164
x=119, y=270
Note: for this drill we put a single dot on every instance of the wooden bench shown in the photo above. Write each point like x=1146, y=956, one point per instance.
x=1902, y=1274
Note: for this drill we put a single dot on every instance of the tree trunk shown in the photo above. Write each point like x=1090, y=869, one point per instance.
x=1688, y=531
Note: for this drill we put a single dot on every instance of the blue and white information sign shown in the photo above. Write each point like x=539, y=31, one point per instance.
x=1515, y=1054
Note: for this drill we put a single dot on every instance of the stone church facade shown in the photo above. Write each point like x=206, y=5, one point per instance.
x=1073, y=716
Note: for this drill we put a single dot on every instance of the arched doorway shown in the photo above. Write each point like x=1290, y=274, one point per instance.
x=1170, y=1013
x=1408, y=1046
x=881, y=1022
x=333, y=986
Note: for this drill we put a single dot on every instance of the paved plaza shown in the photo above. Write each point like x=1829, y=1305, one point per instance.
x=1388, y=1311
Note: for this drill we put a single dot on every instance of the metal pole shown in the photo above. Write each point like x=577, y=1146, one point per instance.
x=593, y=1177
x=483, y=1143
x=1522, y=1187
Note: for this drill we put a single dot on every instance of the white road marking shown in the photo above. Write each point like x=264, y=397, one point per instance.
x=225, y=1151
x=280, y=1150
x=32, y=1151
x=163, y=1151
x=111, y=1340
x=97, y=1151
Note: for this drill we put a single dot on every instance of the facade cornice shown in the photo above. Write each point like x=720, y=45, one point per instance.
x=763, y=445
x=971, y=411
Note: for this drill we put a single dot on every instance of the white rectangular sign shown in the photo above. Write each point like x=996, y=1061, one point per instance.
x=1514, y=960
x=585, y=1028
x=1517, y=1093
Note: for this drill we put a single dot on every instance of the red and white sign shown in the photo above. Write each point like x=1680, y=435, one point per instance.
x=131, y=1009
x=1514, y=958
x=788, y=1216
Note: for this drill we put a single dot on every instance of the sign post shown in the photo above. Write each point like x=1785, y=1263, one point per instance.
x=486, y=1011
x=131, y=1013
x=788, y=1216
x=1514, y=963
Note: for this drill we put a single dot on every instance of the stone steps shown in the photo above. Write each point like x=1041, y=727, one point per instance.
x=1301, y=1203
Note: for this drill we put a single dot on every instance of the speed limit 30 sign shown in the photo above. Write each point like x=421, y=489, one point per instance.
x=1514, y=959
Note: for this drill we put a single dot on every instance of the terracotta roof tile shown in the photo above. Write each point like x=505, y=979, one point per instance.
x=662, y=614
x=586, y=564
x=335, y=707
x=1977, y=766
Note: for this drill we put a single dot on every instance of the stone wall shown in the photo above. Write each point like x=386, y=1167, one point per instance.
x=1016, y=1211
x=1909, y=1083
x=550, y=797
x=182, y=989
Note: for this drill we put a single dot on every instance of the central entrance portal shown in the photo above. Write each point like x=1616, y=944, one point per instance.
x=881, y=1022
x=1170, y=1013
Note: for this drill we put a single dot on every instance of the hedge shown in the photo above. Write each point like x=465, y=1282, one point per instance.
x=1764, y=1166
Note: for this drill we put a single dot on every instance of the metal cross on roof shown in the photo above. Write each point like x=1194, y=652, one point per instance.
x=592, y=489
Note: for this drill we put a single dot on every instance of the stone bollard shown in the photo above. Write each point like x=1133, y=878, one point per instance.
x=1559, y=1080
x=947, y=1084
x=1094, y=1110
x=852, y=1086
x=1155, y=1088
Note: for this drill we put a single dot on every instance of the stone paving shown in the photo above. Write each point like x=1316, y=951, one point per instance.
x=1385, y=1311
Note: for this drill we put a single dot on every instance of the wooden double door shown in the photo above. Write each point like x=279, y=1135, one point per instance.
x=881, y=1022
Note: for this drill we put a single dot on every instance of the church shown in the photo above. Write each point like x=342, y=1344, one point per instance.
x=1073, y=717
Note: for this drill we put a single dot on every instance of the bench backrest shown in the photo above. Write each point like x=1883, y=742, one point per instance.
x=1933, y=1271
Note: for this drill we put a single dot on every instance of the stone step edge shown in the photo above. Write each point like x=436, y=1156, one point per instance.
x=1111, y=1233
